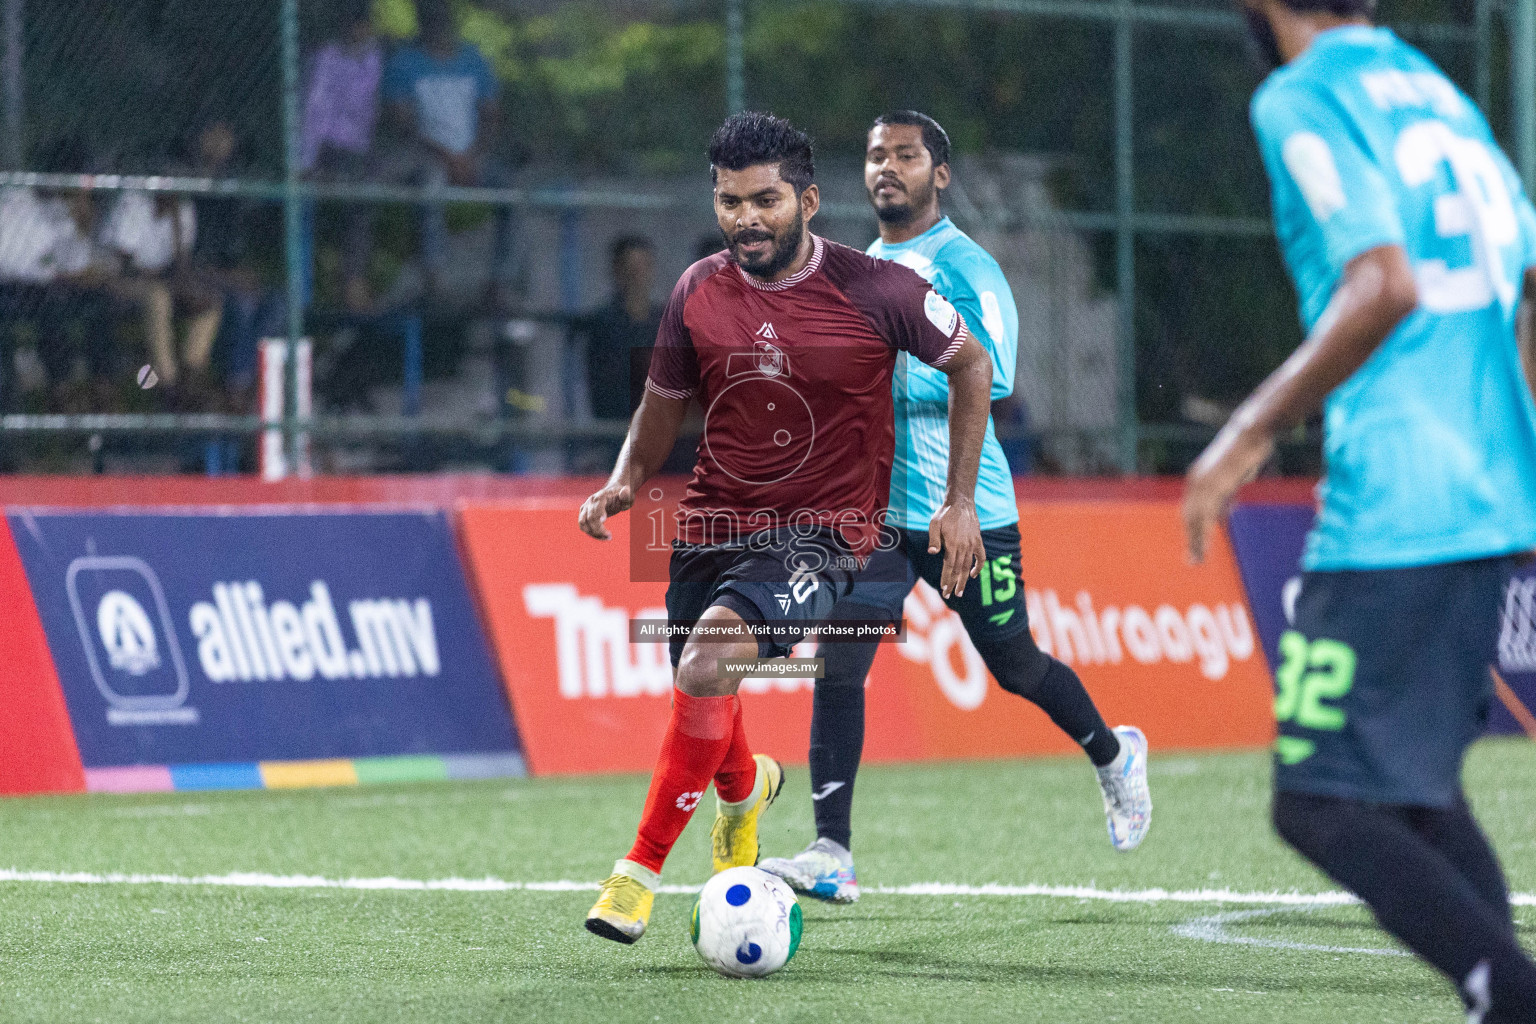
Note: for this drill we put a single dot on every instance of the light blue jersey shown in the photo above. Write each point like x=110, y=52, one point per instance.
x=967, y=276
x=1431, y=445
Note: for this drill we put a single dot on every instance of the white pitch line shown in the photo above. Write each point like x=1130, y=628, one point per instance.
x=1213, y=929
x=260, y=880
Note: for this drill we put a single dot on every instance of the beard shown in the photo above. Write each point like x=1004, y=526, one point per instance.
x=786, y=246
x=1263, y=47
x=903, y=210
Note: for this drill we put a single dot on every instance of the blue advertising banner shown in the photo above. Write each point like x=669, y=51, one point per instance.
x=1268, y=540
x=236, y=637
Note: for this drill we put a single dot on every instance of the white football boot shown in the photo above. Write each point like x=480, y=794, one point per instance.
x=1127, y=800
x=823, y=871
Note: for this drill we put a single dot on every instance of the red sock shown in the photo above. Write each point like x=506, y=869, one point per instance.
x=698, y=736
x=733, y=782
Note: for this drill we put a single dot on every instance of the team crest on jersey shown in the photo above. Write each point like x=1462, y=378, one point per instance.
x=770, y=358
x=766, y=361
x=940, y=313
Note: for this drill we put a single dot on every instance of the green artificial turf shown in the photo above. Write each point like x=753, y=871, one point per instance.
x=156, y=952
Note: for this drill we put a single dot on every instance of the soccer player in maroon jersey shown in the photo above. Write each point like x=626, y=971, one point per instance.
x=789, y=342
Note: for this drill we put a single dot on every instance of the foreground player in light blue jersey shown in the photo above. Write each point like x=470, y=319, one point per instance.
x=1414, y=252
x=906, y=168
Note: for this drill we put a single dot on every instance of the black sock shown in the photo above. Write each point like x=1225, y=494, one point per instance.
x=1415, y=893
x=1022, y=668
x=1456, y=835
x=837, y=737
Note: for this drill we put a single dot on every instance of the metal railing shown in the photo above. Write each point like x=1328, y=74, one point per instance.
x=1124, y=221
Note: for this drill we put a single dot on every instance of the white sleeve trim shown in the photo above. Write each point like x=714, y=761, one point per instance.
x=664, y=392
x=954, y=347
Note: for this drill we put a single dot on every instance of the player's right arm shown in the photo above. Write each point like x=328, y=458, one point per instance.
x=669, y=388
x=652, y=433
x=1316, y=164
x=1376, y=294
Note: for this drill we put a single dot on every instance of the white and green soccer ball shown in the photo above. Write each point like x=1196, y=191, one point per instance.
x=746, y=923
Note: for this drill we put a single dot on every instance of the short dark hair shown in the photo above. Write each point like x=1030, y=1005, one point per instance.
x=1342, y=8
x=624, y=243
x=935, y=138
x=752, y=138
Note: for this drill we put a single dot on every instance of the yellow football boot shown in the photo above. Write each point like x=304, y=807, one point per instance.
x=623, y=908
x=734, y=837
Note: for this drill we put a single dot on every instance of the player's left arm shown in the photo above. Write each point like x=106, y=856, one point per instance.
x=1376, y=293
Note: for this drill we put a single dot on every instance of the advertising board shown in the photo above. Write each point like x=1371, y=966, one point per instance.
x=241, y=639
x=1159, y=643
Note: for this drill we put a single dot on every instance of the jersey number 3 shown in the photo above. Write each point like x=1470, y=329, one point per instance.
x=1311, y=673
x=1477, y=207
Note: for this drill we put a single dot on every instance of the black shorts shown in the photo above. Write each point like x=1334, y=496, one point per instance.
x=992, y=607
x=1383, y=680
x=780, y=582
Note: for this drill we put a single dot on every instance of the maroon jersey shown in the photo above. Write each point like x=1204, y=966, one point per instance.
x=795, y=381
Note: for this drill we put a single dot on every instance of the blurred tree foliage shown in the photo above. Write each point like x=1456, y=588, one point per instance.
x=640, y=88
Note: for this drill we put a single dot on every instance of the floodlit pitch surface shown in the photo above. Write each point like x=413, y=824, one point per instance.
x=307, y=905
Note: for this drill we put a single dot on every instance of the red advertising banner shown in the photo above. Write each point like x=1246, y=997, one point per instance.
x=37, y=745
x=1160, y=644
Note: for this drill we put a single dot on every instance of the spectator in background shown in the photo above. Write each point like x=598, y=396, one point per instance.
x=607, y=341
x=341, y=110
x=614, y=331
x=221, y=263
x=153, y=235
x=52, y=277
x=443, y=98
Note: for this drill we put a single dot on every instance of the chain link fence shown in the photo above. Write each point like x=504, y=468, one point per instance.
x=454, y=199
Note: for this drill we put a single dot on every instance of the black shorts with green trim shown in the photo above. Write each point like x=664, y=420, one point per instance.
x=1384, y=680
x=991, y=609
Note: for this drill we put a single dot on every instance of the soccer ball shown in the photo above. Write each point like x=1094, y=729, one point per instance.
x=746, y=923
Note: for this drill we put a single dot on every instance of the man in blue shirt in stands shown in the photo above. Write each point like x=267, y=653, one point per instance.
x=443, y=97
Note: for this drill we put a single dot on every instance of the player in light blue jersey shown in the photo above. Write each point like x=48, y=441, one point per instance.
x=906, y=169
x=1413, y=249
